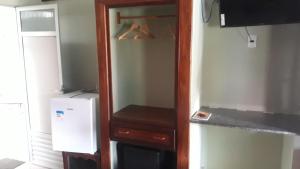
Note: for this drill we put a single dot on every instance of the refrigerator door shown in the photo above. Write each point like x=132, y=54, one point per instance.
x=73, y=125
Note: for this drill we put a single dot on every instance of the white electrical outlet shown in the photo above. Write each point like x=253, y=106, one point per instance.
x=252, y=41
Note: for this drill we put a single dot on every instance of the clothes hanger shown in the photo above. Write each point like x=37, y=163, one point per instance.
x=139, y=32
x=124, y=35
x=125, y=27
x=144, y=33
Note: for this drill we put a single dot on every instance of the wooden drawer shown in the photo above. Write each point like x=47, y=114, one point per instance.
x=154, y=139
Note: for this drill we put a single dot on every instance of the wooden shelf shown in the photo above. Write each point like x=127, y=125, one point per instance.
x=161, y=117
x=145, y=126
x=122, y=3
x=251, y=120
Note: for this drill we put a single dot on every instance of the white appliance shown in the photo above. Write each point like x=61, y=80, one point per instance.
x=73, y=119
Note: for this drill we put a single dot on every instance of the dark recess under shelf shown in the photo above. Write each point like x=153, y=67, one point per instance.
x=253, y=120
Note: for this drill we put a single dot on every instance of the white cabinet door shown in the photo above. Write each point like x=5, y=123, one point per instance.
x=42, y=76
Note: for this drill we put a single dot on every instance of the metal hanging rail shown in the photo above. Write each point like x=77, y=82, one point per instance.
x=119, y=17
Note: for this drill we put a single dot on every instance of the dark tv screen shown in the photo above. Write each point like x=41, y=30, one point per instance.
x=234, y=13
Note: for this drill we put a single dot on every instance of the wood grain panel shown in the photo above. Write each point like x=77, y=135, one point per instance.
x=144, y=125
x=183, y=82
x=66, y=160
x=104, y=82
x=123, y=3
x=154, y=116
x=164, y=140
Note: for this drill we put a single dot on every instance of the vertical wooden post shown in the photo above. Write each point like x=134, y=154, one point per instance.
x=183, y=81
x=104, y=81
x=65, y=160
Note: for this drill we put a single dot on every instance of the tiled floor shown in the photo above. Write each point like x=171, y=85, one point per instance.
x=30, y=166
x=7, y=163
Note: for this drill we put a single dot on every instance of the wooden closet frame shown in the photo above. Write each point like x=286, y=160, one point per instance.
x=183, y=61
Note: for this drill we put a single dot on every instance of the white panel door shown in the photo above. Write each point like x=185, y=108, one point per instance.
x=13, y=119
x=42, y=76
x=39, y=40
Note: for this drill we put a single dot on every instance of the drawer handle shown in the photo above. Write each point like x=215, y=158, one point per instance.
x=124, y=132
x=159, y=138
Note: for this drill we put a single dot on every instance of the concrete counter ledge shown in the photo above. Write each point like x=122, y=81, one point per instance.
x=252, y=120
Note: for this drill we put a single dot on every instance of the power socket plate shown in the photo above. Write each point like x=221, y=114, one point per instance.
x=252, y=41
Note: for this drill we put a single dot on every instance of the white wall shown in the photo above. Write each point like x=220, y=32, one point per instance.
x=287, y=152
x=197, y=138
x=239, y=149
x=264, y=78
x=78, y=43
x=283, y=68
x=235, y=76
x=297, y=143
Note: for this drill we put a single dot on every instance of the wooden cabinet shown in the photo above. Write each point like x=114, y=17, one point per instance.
x=164, y=140
x=146, y=126
x=81, y=160
x=144, y=83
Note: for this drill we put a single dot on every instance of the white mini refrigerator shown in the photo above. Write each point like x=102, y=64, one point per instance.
x=73, y=120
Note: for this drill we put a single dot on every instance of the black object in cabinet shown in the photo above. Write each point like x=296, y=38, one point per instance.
x=135, y=157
